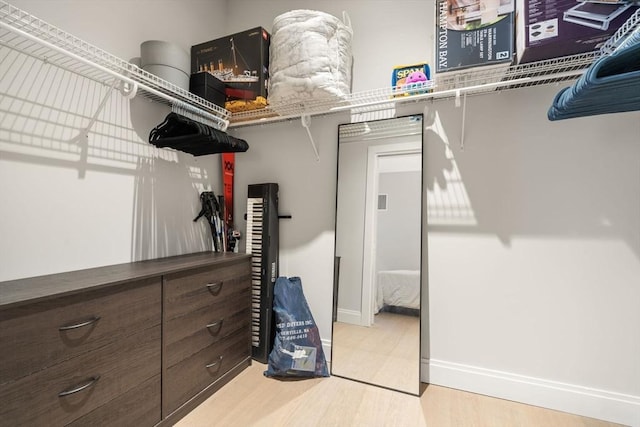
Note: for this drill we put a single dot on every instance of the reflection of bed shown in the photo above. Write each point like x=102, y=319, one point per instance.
x=398, y=291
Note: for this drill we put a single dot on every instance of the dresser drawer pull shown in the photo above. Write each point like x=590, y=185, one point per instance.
x=213, y=364
x=215, y=327
x=215, y=288
x=79, y=325
x=76, y=389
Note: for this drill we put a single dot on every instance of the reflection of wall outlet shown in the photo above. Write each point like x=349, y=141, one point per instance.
x=543, y=30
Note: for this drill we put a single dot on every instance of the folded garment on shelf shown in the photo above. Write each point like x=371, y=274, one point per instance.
x=610, y=85
x=184, y=134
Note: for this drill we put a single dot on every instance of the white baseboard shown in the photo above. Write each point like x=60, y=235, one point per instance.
x=349, y=316
x=574, y=399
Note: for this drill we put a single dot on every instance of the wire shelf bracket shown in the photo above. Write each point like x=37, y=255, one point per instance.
x=84, y=132
x=306, y=121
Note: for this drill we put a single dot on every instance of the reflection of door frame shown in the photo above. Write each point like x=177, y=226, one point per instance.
x=371, y=219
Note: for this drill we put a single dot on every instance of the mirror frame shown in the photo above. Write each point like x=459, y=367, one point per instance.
x=420, y=117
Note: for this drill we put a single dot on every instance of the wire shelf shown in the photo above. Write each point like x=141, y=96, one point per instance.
x=33, y=37
x=328, y=105
x=446, y=85
x=449, y=85
x=630, y=28
x=36, y=38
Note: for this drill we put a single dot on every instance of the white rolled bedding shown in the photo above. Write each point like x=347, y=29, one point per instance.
x=310, y=58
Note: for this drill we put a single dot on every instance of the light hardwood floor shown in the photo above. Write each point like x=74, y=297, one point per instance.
x=251, y=399
x=387, y=353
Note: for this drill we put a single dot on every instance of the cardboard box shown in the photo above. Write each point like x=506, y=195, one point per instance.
x=240, y=60
x=399, y=78
x=209, y=87
x=472, y=33
x=547, y=30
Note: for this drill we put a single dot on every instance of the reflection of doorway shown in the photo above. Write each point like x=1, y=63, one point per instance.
x=392, y=232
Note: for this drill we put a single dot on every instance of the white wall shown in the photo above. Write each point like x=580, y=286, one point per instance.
x=112, y=198
x=533, y=229
x=542, y=289
x=533, y=288
x=399, y=239
x=282, y=153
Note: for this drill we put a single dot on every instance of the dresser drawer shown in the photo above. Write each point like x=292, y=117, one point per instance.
x=186, y=335
x=189, y=377
x=194, y=289
x=97, y=377
x=139, y=407
x=71, y=326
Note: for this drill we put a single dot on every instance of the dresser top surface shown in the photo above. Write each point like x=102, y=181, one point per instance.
x=20, y=291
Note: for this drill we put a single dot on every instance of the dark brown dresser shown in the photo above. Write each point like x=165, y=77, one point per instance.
x=140, y=343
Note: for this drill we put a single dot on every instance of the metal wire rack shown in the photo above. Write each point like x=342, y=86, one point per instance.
x=445, y=85
x=630, y=28
x=313, y=107
x=448, y=85
x=35, y=38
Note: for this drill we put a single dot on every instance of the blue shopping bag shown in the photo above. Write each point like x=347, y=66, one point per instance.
x=297, y=349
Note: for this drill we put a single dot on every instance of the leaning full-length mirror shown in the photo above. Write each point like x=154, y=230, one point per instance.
x=376, y=320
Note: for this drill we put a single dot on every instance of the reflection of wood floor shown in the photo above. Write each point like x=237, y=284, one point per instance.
x=252, y=400
x=387, y=353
